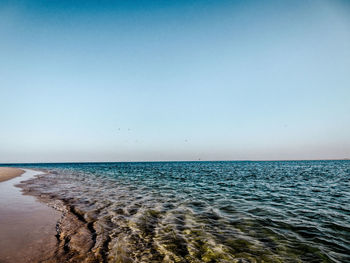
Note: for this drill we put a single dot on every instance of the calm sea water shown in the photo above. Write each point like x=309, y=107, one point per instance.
x=292, y=211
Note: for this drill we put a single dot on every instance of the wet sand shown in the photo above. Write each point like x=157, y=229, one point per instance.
x=27, y=227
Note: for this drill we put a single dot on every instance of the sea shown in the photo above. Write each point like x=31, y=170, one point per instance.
x=222, y=211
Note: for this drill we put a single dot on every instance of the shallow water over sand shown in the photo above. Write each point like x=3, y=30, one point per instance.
x=210, y=211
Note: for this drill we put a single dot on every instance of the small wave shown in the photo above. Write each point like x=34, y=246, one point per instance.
x=201, y=212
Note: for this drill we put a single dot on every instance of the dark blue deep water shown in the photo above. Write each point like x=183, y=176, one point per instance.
x=281, y=211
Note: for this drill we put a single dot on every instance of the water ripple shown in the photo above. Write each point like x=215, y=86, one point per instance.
x=211, y=211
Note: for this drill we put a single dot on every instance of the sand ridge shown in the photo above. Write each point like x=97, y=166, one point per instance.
x=7, y=173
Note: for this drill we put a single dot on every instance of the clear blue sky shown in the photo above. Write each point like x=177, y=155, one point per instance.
x=174, y=80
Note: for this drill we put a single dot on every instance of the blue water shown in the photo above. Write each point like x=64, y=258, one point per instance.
x=281, y=211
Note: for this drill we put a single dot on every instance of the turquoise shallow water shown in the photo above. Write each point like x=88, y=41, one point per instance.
x=292, y=211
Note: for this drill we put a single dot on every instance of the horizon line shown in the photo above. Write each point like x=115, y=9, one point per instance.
x=165, y=161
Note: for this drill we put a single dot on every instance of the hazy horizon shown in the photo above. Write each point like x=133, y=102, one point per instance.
x=169, y=81
x=170, y=161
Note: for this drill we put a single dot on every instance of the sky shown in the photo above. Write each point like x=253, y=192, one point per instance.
x=174, y=80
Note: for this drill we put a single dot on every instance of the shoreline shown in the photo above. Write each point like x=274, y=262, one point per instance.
x=77, y=239
x=27, y=226
x=36, y=227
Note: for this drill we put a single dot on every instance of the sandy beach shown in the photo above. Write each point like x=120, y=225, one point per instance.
x=27, y=227
x=9, y=173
